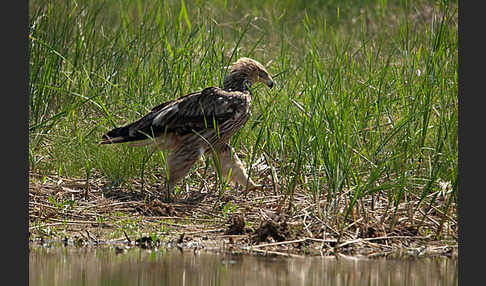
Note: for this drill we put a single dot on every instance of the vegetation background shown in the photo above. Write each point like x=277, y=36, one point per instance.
x=363, y=114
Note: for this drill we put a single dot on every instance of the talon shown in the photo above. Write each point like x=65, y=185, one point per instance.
x=255, y=186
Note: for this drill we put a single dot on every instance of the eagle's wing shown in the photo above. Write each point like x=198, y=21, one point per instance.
x=194, y=112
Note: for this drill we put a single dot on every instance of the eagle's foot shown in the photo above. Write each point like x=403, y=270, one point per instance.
x=253, y=187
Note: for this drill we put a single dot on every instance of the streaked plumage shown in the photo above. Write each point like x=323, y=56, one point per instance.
x=199, y=123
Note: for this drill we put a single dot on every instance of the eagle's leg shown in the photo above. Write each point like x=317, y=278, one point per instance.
x=229, y=160
x=179, y=163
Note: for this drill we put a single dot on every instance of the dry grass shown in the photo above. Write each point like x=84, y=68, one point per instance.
x=258, y=222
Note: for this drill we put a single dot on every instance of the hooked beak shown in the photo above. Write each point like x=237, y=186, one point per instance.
x=270, y=83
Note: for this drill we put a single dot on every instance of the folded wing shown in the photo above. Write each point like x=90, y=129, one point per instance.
x=195, y=112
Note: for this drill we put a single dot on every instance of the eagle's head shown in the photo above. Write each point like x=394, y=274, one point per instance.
x=246, y=72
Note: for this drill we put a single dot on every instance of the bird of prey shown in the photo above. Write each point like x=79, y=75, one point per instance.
x=199, y=123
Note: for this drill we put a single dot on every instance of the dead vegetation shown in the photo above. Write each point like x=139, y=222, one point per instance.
x=73, y=212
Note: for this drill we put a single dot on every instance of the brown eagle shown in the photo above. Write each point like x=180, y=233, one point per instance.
x=199, y=123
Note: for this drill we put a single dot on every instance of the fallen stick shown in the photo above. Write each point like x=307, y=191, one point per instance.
x=380, y=238
x=291, y=241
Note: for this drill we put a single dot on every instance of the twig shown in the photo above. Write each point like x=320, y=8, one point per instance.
x=90, y=237
x=277, y=253
x=79, y=222
x=46, y=225
x=206, y=231
x=290, y=241
x=126, y=236
x=380, y=238
x=175, y=224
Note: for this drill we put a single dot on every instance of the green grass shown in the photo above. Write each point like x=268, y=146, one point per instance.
x=365, y=103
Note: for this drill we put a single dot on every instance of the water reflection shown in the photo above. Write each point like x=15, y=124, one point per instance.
x=103, y=266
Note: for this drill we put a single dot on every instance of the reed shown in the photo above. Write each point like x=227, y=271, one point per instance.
x=365, y=105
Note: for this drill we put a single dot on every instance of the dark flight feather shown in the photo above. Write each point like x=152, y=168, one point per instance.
x=194, y=112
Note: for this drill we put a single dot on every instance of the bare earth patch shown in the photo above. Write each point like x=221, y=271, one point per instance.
x=259, y=222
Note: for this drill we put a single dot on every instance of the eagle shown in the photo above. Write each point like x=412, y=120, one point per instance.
x=199, y=123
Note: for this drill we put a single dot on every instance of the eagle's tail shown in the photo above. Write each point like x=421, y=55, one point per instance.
x=141, y=129
x=117, y=135
x=132, y=132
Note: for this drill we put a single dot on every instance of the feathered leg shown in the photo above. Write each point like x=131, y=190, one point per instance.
x=180, y=161
x=229, y=160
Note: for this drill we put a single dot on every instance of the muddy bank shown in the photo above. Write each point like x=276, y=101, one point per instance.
x=72, y=213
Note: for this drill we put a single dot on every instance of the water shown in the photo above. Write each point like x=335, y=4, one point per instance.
x=135, y=266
